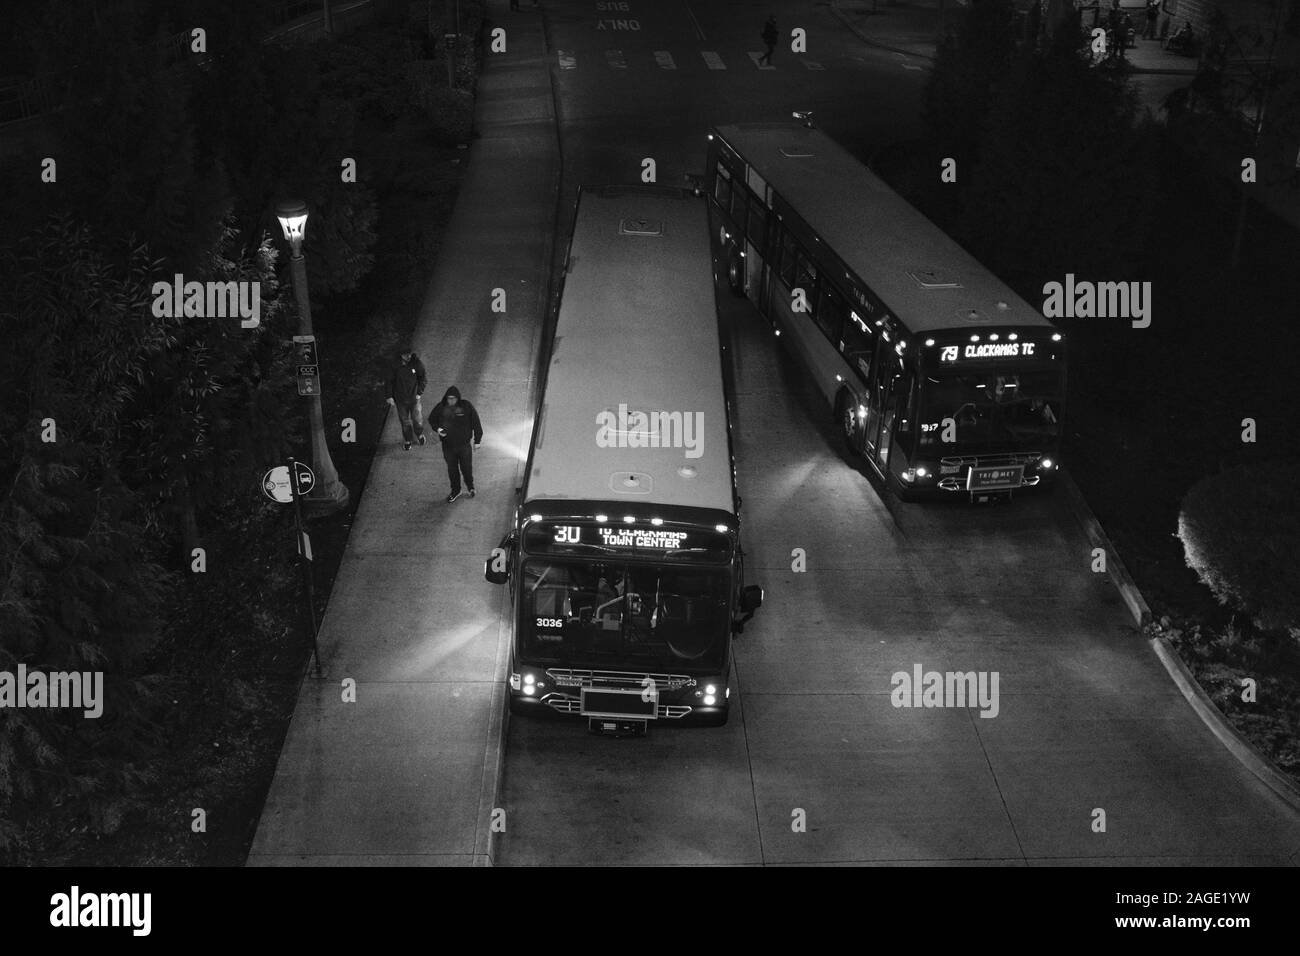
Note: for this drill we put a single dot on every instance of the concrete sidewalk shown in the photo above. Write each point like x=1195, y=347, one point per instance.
x=408, y=774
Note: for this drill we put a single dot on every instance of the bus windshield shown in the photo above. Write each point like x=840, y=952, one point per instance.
x=609, y=614
x=992, y=410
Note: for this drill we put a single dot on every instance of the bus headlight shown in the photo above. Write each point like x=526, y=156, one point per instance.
x=921, y=472
x=1047, y=464
x=709, y=700
x=710, y=690
x=862, y=411
x=529, y=690
x=908, y=475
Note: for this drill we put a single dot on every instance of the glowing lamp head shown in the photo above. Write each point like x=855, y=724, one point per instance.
x=292, y=214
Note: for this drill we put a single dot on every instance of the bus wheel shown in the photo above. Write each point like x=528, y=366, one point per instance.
x=849, y=425
x=735, y=274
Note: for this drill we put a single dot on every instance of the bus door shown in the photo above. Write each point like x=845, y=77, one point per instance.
x=755, y=249
x=886, y=379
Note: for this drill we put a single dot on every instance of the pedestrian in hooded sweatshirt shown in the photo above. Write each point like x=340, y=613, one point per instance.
x=455, y=421
x=404, y=390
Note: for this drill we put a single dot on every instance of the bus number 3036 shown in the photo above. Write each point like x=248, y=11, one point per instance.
x=549, y=622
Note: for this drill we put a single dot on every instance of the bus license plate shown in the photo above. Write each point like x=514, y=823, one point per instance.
x=995, y=479
x=619, y=702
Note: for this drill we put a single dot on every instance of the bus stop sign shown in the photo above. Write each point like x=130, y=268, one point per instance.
x=275, y=483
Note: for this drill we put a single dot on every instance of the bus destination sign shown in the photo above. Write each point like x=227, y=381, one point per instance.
x=987, y=350
x=548, y=538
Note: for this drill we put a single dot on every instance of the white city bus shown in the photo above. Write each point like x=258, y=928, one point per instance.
x=935, y=369
x=624, y=561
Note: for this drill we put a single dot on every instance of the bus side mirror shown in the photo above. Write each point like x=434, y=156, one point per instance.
x=496, y=569
x=751, y=599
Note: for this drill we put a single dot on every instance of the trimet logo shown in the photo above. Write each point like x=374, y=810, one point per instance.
x=632, y=429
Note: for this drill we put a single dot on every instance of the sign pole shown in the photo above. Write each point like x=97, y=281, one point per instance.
x=304, y=560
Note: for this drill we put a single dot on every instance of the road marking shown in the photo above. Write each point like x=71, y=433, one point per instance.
x=567, y=62
x=665, y=60
x=713, y=60
x=694, y=22
x=812, y=64
x=615, y=59
x=754, y=55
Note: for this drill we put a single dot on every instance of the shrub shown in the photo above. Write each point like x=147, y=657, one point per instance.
x=1241, y=533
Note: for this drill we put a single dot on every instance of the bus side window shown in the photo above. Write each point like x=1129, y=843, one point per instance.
x=757, y=225
x=859, y=343
x=738, y=194
x=805, y=277
x=831, y=312
x=722, y=187
x=789, y=247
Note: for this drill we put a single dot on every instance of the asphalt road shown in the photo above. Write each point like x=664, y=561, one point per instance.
x=1087, y=719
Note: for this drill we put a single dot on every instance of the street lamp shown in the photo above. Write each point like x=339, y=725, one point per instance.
x=328, y=494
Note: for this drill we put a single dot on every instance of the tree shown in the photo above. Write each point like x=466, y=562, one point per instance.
x=968, y=66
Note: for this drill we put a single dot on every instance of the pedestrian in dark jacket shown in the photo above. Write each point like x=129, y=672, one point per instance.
x=455, y=421
x=769, y=36
x=404, y=390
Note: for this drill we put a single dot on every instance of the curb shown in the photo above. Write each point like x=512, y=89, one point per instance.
x=485, y=844
x=1241, y=748
x=835, y=9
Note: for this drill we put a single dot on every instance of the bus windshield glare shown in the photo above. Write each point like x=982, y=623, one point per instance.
x=599, y=614
x=992, y=409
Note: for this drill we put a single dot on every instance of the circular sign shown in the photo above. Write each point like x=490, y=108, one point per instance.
x=275, y=484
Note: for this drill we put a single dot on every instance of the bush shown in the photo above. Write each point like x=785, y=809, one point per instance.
x=1241, y=533
x=451, y=112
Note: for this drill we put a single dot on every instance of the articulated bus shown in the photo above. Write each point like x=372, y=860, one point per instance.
x=935, y=370
x=624, y=560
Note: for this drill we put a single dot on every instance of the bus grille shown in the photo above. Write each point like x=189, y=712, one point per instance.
x=566, y=677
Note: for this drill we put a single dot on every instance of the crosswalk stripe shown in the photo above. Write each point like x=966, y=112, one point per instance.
x=713, y=60
x=616, y=59
x=762, y=66
x=567, y=61
x=665, y=60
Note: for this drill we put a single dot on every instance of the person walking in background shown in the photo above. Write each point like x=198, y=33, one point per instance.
x=405, y=387
x=769, y=36
x=1153, y=15
x=455, y=421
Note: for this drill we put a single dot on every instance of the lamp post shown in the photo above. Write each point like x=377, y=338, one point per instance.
x=328, y=494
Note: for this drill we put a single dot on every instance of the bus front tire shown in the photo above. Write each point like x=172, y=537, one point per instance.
x=844, y=413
